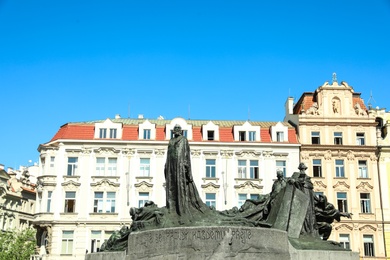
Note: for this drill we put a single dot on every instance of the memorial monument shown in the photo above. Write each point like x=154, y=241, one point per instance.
x=289, y=223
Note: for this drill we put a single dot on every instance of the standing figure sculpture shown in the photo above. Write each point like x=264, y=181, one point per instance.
x=182, y=196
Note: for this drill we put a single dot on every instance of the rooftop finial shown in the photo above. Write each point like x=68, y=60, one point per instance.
x=334, y=77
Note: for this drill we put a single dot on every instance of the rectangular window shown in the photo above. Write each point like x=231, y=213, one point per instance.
x=98, y=202
x=315, y=137
x=144, y=167
x=67, y=242
x=110, y=202
x=242, y=169
x=338, y=138
x=211, y=200
x=254, y=196
x=100, y=163
x=363, y=173
x=72, y=166
x=368, y=241
x=365, y=204
x=344, y=241
x=210, y=168
x=147, y=134
x=111, y=169
x=95, y=240
x=253, y=169
x=280, y=136
x=143, y=197
x=185, y=133
x=281, y=166
x=48, y=203
x=52, y=159
x=317, y=168
x=252, y=136
x=103, y=133
x=113, y=133
x=70, y=201
x=210, y=135
x=340, y=168
x=342, y=201
x=241, y=135
x=241, y=199
x=360, y=139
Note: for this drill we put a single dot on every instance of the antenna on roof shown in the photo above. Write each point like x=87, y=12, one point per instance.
x=369, y=100
x=249, y=114
x=128, y=110
x=189, y=112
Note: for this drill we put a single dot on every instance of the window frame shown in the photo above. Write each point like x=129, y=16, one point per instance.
x=211, y=199
x=145, y=198
x=102, y=133
x=339, y=168
x=342, y=201
x=368, y=245
x=69, y=242
x=211, y=168
x=365, y=203
x=360, y=138
x=282, y=167
x=315, y=139
x=317, y=168
x=338, y=138
x=72, y=166
x=70, y=202
x=363, y=169
x=144, y=167
x=251, y=136
x=279, y=136
x=344, y=240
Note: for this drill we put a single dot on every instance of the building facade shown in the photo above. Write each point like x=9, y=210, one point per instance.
x=17, y=200
x=93, y=172
x=339, y=146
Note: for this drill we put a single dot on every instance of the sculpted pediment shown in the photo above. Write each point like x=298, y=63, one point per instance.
x=143, y=184
x=343, y=227
x=71, y=185
x=105, y=183
x=248, y=184
x=367, y=228
x=210, y=186
x=248, y=153
x=364, y=185
x=319, y=184
x=341, y=185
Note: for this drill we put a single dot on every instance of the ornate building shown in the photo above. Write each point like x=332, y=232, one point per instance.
x=339, y=146
x=93, y=172
x=17, y=199
x=383, y=142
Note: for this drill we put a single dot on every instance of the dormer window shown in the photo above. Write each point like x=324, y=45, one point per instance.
x=246, y=132
x=241, y=135
x=252, y=136
x=279, y=133
x=146, y=134
x=210, y=135
x=210, y=132
x=108, y=129
x=280, y=136
x=186, y=128
x=147, y=131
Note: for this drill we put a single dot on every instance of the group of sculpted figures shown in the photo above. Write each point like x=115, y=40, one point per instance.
x=184, y=207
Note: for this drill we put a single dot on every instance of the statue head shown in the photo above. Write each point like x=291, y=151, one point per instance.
x=279, y=174
x=302, y=167
x=177, y=130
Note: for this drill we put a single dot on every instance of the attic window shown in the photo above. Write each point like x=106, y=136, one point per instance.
x=103, y=133
x=210, y=135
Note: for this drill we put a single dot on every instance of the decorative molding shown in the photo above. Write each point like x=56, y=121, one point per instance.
x=304, y=156
x=143, y=183
x=344, y=226
x=210, y=185
x=319, y=184
x=227, y=153
x=350, y=155
x=368, y=227
x=105, y=182
x=248, y=153
x=364, y=185
x=71, y=185
x=106, y=150
x=267, y=153
x=328, y=155
x=210, y=153
x=86, y=150
x=281, y=155
x=248, y=184
x=195, y=152
x=340, y=184
x=128, y=151
x=159, y=152
x=144, y=151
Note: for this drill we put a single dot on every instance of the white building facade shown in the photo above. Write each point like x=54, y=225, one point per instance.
x=93, y=172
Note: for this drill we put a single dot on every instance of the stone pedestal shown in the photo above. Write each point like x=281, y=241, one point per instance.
x=218, y=243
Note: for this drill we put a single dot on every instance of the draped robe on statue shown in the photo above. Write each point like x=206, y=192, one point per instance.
x=182, y=196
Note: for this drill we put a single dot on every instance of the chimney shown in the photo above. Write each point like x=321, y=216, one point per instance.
x=140, y=116
x=289, y=106
x=117, y=116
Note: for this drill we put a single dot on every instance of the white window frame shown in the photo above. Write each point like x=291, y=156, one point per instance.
x=279, y=133
x=365, y=203
x=72, y=166
x=315, y=137
x=105, y=202
x=282, y=166
x=106, y=129
x=317, y=168
x=96, y=240
x=144, y=167
x=69, y=197
x=67, y=242
x=211, y=199
x=48, y=201
x=254, y=169
x=342, y=201
x=113, y=133
x=210, y=127
x=246, y=127
x=338, y=138
x=106, y=166
x=362, y=169
x=143, y=197
x=339, y=169
x=103, y=133
x=344, y=240
x=360, y=139
x=211, y=168
x=368, y=245
x=241, y=198
x=241, y=169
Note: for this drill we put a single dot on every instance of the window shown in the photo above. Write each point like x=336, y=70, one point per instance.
x=241, y=199
x=317, y=169
x=113, y=133
x=315, y=137
x=143, y=197
x=111, y=169
x=210, y=168
x=100, y=162
x=280, y=136
x=281, y=165
x=72, y=166
x=52, y=158
x=344, y=241
x=368, y=241
x=67, y=242
x=48, y=203
x=360, y=139
x=254, y=196
x=185, y=133
x=252, y=136
x=365, y=204
x=210, y=135
x=340, y=168
x=101, y=166
x=103, y=133
x=363, y=173
x=253, y=169
x=95, y=240
x=210, y=200
x=70, y=201
x=242, y=169
x=338, y=138
x=342, y=202
x=104, y=202
x=147, y=134
x=241, y=135
x=144, y=167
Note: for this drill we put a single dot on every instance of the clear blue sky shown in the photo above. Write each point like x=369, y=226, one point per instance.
x=70, y=61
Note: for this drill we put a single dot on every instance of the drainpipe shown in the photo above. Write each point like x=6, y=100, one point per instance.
x=380, y=198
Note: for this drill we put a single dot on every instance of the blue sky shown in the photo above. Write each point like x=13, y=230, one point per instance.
x=70, y=61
